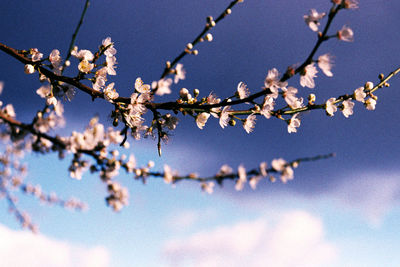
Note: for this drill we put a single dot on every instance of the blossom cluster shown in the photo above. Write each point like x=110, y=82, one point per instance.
x=97, y=149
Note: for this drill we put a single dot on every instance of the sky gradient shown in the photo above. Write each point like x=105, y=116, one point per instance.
x=337, y=212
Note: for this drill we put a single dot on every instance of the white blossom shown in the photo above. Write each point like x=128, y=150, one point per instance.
x=168, y=176
x=278, y=164
x=249, y=123
x=268, y=106
x=347, y=108
x=140, y=87
x=312, y=20
x=254, y=181
x=101, y=78
x=55, y=58
x=308, y=75
x=225, y=170
x=109, y=93
x=294, y=123
x=273, y=83
x=242, y=178
x=43, y=91
x=242, y=90
x=85, y=66
x=359, y=94
x=330, y=106
x=111, y=51
x=201, y=119
x=208, y=187
x=180, y=73
x=163, y=86
x=370, y=103
x=51, y=100
x=345, y=34
x=224, y=117
x=111, y=61
x=35, y=54
x=325, y=64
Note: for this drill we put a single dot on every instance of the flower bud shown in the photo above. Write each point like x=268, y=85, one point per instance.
x=29, y=69
x=369, y=85
x=196, y=92
x=311, y=99
x=183, y=93
x=189, y=46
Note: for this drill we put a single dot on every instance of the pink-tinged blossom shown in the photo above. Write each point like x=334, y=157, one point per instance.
x=289, y=95
x=273, y=83
x=360, y=95
x=345, y=34
x=278, y=164
x=82, y=54
x=180, y=73
x=254, y=181
x=242, y=90
x=242, y=178
x=294, y=123
x=347, y=108
x=330, y=106
x=268, y=106
x=225, y=170
x=325, y=64
x=308, y=75
x=55, y=58
x=111, y=61
x=249, y=123
x=43, y=91
x=201, y=119
x=312, y=20
x=101, y=78
x=111, y=51
x=224, y=117
x=162, y=86
x=263, y=169
x=370, y=103
x=35, y=54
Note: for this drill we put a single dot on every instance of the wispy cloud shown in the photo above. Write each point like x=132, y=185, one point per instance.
x=22, y=248
x=374, y=194
x=294, y=239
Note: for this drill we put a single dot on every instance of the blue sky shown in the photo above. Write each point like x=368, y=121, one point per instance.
x=338, y=212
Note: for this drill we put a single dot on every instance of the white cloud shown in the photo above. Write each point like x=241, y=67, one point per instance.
x=295, y=239
x=22, y=248
x=187, y=219
x=373, y=194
